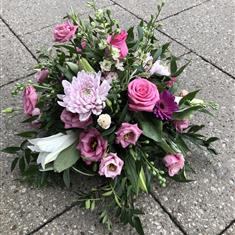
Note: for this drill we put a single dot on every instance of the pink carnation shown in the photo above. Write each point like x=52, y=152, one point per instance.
x=71, y=120
x=180, y=125
x=64, y=32
x=30, y=98
x=111, y=166
x=128, y=134
x=84, y=95
x=119, y=41
x=142, y=95
x=92, y=145
x=174, y=163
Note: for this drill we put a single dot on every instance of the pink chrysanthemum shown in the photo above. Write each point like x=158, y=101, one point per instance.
x=84, y=95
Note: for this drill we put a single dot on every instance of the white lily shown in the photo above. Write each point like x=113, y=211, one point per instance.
x=161, y=68
x=50, y=147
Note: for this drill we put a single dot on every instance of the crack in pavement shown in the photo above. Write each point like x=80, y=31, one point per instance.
x=17, y=36
x=180, y=43
x=186, y=9
x=172, y=218
x=227, y=227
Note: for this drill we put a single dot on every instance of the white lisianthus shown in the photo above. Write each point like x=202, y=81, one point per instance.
x=104, y=121
x=50, y=147
x=119, y=65
x=160, y=68
x=193, y=102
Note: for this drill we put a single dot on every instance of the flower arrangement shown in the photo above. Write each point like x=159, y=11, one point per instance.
x=104, y=103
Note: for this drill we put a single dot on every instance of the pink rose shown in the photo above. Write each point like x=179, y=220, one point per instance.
x=180, y=125
x=128, y=134
x=41, y=75
x=71, y=120
x=64, y=32
x=174, y=163
x=111, y=166
x=119, y=41
x=30, y=98
x=92, y=145
x=142, y=95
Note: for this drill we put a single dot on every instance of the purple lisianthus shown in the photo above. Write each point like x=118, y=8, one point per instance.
x=42, y=75
x=180, y=125
x=85, y=95
x=92, y=145
x=71, y=120
x=166, y=106
x=111, y=166
x=128, y=134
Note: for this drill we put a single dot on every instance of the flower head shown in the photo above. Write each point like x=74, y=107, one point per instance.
x=50, y=147
x=160, y=68
x=166, y=106
x=104, y=121
x=111, y=166
x=41, y=75
x=30, y=98
x=92, y=145
x=128, y=134
x=142, y=95
x=64, y=32
x=119, y=41
x=84, y=95
x=174, y=163
x=180, y=125
x=71, y=120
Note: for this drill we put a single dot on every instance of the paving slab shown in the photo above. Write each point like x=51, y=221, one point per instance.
x=16, y=61
x=42, y=39
x=207, y=205
x=155, y=221
x=29, y=16
x=230, y=230
x=208, y=30
x=144, y=9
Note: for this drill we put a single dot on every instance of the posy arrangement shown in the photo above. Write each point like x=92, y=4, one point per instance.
x=105, y=104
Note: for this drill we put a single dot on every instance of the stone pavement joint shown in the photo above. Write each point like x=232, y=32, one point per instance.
x=172, y=218
x=173, y=39
x=227, y=227
x=53, y=218
x=186, y=9
x=9, y=27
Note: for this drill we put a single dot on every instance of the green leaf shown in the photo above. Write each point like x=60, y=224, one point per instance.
x=157, y=54
x=11, y=150
x=109, y=131
x=173, y=65
x=27, y=134
x=66, y=159
x=66, y=178
x=152, y=127
x=180, y=70
x=13, y=164
x=88, y=204
x=137, y=224
x=195, y=128
x=8, y=110
x=142, y=180
x=190, y=96
x=74, y=67
x=82, y=170
x=185, y=113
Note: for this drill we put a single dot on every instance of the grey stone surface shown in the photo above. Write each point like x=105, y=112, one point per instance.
x=23, y=207
x=43, y=39
x=207, y=205
x=16, y=61
x=155, y=221
x=209, y=30
x=230, y=230
x=29, y=16
x=144, y=9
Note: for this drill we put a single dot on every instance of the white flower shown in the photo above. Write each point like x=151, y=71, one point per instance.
x=160, y=68
x=193, y=102
x=119, y=65
x=147, y=63
x=111, y=76
x=50, y=147
x=104, y=121
x=106, y=65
